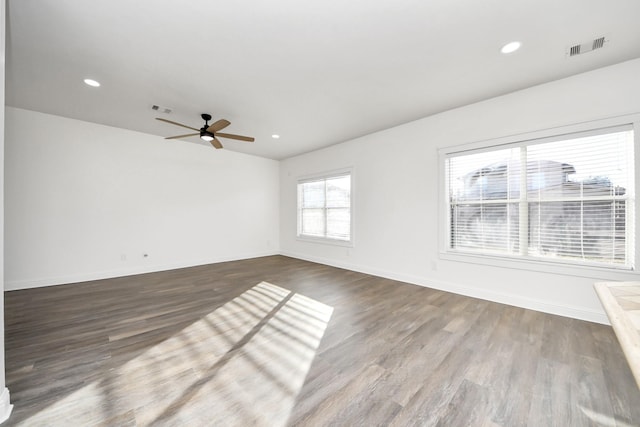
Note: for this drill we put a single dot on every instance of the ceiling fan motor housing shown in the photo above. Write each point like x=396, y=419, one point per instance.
x=207, y=136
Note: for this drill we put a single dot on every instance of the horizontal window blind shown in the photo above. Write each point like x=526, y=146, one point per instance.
x=569, y=198
x=324, y=207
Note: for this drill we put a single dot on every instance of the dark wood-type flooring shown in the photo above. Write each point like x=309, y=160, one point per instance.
x=278, y=341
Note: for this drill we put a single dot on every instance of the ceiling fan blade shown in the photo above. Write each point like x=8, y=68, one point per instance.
x=177, y=124
x=219, y=125
x=238, y=137
x=216, y=143
x=182, y=136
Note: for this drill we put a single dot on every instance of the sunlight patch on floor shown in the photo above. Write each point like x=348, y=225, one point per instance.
x=243, y=363
x=602, y=419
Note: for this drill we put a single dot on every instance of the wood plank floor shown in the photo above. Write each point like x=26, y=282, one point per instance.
x=276, y=341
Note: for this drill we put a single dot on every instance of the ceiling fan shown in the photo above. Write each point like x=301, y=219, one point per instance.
x=208, y=132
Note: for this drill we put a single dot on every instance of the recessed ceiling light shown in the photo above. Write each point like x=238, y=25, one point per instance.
x=274, y=136
x=510, y=47
x=92, y=82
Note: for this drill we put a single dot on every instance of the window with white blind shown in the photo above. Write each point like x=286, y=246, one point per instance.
x=568, y=198
x=324, y=208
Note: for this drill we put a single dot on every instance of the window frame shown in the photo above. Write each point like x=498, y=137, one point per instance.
x=558, y=266
x=323, y=176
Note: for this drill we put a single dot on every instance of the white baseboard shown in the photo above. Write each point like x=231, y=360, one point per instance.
x=14, y=285
x=5, y=405
x=582, y=313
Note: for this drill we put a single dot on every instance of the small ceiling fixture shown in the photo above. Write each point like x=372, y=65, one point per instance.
x=92, y=83
x=510, y=47
x=275, y=136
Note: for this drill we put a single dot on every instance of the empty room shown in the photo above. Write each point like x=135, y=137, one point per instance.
x=249, y=213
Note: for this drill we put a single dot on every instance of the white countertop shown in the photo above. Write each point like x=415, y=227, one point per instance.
x=621, y=301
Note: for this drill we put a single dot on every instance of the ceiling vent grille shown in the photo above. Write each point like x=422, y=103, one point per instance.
x=589, y=46
x=164, y=110
x=598, y=43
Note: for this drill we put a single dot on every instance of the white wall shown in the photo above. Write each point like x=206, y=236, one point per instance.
x=396, y=185
x=85, y=201
x=5, y=405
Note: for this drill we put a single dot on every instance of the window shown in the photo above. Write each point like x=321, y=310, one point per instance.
x=568, y=198
x=324, y=207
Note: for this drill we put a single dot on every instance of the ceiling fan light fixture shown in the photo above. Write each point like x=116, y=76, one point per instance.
x=206, y=136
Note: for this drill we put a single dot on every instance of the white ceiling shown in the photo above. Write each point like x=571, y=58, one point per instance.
x=317, y=72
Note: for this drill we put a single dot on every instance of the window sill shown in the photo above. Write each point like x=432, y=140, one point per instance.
x=325, y=241
x=544, y=266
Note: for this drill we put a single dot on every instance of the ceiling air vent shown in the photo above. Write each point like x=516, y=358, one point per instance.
x=581, y=48
x=164, y=110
